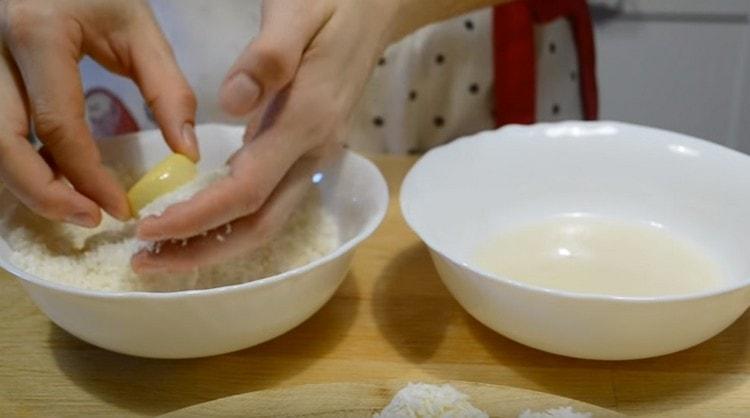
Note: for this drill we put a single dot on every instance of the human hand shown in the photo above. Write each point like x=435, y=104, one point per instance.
x=298, y=81
x=41, y=43
x=244, y=234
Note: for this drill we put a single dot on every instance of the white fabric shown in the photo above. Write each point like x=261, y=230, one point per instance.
x=558, y=86
x=439, y=64
x=454, y=97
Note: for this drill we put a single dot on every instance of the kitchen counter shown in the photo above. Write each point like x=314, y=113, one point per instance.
x=392, y=318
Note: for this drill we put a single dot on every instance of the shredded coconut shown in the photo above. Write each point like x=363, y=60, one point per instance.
x=99, y=258
x=562, y=412
x=421, y=400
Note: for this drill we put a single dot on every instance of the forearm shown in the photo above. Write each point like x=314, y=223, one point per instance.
x=413, y=14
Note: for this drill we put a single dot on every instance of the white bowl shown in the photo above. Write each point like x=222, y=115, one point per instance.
x=461, y=194
x=200, y=323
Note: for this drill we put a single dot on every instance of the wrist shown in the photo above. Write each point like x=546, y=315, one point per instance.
x=410, y=15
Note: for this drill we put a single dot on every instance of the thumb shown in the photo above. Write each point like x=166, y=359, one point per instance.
x=166, y=91
x=269, y=63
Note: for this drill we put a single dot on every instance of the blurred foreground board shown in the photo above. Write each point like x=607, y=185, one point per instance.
x=350, y=400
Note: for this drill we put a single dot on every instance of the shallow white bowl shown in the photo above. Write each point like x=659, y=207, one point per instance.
x=207, y=322
x=462, y=194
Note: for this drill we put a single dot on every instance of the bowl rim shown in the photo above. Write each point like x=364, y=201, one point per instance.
x=573, y=128
x=380, y=188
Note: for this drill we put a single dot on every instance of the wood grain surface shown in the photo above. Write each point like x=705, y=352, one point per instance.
x=392, y=318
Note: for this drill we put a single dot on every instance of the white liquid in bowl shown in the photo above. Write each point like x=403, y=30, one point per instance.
x=599, y=256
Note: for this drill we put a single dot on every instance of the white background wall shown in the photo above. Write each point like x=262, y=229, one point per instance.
x=682, y=65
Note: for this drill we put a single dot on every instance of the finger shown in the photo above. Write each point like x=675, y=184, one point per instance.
x=265, y=116
x=269, y=62
x=165, y=90
x=244, y=235
x=27, y=176
x=48, y=66
x=255, y=170
x=22, y=169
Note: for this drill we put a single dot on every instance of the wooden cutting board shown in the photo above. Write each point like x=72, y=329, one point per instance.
x=364, y=399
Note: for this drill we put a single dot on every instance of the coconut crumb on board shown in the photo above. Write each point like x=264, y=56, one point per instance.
x=99, y=258
x=422, y=400
x=561, y=412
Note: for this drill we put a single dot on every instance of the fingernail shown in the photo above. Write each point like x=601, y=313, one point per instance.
x=119, y=209
x=82, y=219
x=115, y=202
x=122, y=215
x=239, y=94
x=190, y=140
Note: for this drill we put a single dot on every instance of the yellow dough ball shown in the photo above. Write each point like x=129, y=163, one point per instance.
x=168, y=175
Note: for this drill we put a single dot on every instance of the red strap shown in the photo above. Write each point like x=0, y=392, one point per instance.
x=515, y=62
x=112, y=117
x=515, y=65
x=580, y=21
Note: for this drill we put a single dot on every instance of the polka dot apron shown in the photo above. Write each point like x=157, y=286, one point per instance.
x=439, y=83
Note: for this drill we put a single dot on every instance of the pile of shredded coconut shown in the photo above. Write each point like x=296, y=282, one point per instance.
x=561, y=412
x=421, y=400
x=99, y=258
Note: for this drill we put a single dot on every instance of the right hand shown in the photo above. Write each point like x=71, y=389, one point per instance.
x=297, y=82
x=41, y=42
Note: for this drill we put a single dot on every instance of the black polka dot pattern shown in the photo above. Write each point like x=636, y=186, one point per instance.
x=556, y=109
x=552, y=47
x=413, y=95
x=573, y=76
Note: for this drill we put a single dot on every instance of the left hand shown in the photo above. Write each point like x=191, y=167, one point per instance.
x=298, y=81
x=41, y=44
